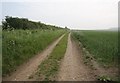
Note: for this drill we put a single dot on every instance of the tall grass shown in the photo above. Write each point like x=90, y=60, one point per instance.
x=102, y=44
x=20, y=45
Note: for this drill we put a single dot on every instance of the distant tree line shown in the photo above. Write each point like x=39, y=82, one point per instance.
x=24, y=23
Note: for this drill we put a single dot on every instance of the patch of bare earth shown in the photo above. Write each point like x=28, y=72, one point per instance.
x=111, y=72
x=72, y=67
x=97, y=69
x=27, y=69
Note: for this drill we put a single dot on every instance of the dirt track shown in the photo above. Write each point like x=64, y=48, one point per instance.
x=24, y=71
x=72, y=67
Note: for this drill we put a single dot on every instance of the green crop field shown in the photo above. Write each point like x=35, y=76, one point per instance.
x=103, y=45
x=20, y=45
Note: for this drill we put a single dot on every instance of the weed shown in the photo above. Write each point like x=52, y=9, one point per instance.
x=104, y=78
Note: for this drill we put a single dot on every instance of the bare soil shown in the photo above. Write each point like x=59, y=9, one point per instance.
x=72, y=67
x=24, y=71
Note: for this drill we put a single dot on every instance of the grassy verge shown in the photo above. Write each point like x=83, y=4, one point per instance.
x=20, y=45
x=50, y=66
x=103, y=45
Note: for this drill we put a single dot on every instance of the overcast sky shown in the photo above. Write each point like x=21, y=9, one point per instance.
x=75, y=14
